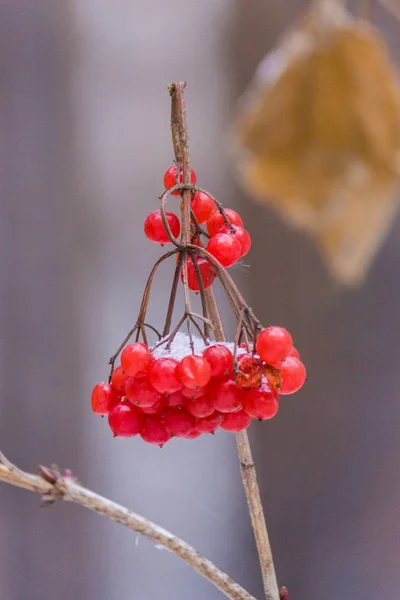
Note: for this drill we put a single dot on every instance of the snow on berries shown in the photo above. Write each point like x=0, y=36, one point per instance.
x=183, y=385
x=186, y=388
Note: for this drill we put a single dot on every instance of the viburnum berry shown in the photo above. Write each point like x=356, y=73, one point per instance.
x=227, y=396
x=174, y=400
x=177, y=421
x=216, y=222
x=125, y=420
x=236, y=421
x=193, y=394
x=293, y=375
x=193, y=372
x=220, y=359
x=136, y=358
x=274, y=344
x=242, y=236
x=154, y=227
x=294, y=353
x=207, y=273
x=104, y=398
x=119, y=379
x=200, y=407
x=171, y=179
x=261, y=403
x=162, y=376
x=154, y=431
x=209, y=424
x=225, y=247
x=250, y=371
x=141, y=393
x=202, y=206
x=192, y=435
x=154, y=409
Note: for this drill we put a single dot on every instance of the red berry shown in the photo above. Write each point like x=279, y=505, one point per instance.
x=261, y=403
x=293, y=376
x=242, y=236
x=154, y=431
x=202, y=207
x=236, y=421
x=162, y=376
x=274, y=344
x=141, y=393
x=119, y=379
x=216, y=222
x=154, y=227
x=294, y=353
x=192, y=435
x=250, y=371
x=209, y=424
x=155, y=409
x=200, y=407
x=104, y=398
x=207, y=274
x=136, y=358
x=193, y=394
x=177, y=421
x=193, y=372
x=170, y=178
x=125, y=420
x=227, y=396
x=174, y=400
x=220, y=359
x=225, y=248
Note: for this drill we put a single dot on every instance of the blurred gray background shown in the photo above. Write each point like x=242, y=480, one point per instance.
x=84, y=130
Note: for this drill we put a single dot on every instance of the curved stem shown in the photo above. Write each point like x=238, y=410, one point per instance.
x=53, y=487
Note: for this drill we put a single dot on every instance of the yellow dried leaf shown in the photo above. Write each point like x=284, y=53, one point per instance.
x=320, y=136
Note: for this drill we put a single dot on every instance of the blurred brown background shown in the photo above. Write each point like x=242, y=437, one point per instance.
x=84, y=143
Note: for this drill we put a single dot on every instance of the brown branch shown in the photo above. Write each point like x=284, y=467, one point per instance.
x=248, y=471
x=54, y=487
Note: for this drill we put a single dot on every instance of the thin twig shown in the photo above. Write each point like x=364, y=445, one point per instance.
x=179, y=138
x=392, y=7
x=67, y=489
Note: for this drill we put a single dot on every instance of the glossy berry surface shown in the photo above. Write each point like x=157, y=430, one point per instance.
x=206, y=271
x=136, y=358
x=193, y=372
x=192, y=435
x=174, y=400
x=220, y=359
x=140, y=393
x=154, y=409
x=293, y=375
x=193, y=393
x=177, y=421
x=261, y=403
x=216, y=222
x=225, y=248
x=118, y=380
x=274, y=344
x=154, y=432
x=200, y=407
x=125, y=420
x=242, y=236
x=294, y=353
x=171, y=179
x=227, y=396
x=202, y=207
x=236, y=421
x=162, y=376
x=154, y=227
x=104, y=398
x=209, y=424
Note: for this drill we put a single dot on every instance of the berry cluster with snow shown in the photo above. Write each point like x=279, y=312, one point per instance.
x=185, y=388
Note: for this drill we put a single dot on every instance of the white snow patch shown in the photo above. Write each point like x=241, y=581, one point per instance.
x=180, y=347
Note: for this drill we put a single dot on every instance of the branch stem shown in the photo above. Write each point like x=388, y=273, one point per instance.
x=67, y=489
x=248, y=471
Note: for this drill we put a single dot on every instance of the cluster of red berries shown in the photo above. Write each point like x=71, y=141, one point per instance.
x=170, y=392
x=228, y=242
